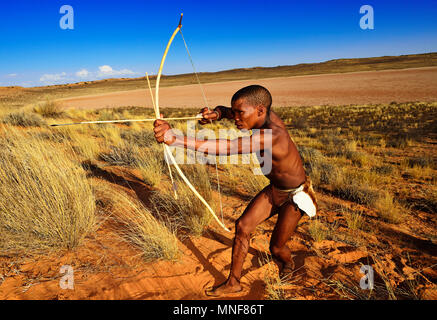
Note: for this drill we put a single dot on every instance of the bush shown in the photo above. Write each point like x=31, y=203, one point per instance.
x=384, y=169
x=151, y=165
x=398, y=141
x=143, y=138
x=49, y=109
x=356, y=191
x=124, y=155
x=24, y=119
x=45, y=198
x=388, y=209
x=155, y=238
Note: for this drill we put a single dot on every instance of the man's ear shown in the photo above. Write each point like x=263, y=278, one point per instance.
x=261, y=110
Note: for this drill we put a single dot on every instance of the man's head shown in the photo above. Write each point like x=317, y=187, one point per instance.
x=251, y=106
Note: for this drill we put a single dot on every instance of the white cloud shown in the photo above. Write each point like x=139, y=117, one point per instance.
x=106, y=70
x=84, y=73
x=11, y=75
x=53, y=77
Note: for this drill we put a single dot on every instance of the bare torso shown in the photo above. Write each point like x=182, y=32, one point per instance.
x=287, y=167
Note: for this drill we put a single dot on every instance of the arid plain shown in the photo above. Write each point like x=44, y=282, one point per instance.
x=98, y=198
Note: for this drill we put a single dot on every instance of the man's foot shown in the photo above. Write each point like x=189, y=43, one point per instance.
x=223, y=289
x=287, y=270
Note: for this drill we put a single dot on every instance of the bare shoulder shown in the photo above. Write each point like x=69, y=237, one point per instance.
x=277, y=120
x=280, y=133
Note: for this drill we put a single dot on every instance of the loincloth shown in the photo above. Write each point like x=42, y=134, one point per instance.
x=303, y=196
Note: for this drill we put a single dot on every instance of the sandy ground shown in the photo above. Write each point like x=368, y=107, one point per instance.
x=418, y=84
x=104, y=267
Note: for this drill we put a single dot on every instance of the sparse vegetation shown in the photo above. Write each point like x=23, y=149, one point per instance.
x=186, y=211
x=37, y=180
x=155, y=238
x=49, y=109
x=23, y=119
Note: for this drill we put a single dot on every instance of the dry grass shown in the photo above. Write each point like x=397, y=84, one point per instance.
x=187, y=211
x=37, y=180
x=151, y=165
x=155, y=238
x=388, y=209
x=317, y=230
x=122, y=155
x=23, y=119
x=273, y=283
x=49, y=109
x=321, y=230
x=85, y=146
x=355, y=220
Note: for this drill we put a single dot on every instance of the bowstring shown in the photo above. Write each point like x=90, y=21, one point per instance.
x=206, y=104
x=163, y=148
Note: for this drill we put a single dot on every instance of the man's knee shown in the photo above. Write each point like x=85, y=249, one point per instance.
x=276, y=250
x=242, y=229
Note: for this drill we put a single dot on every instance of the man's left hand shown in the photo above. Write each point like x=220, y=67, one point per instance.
x=163, y=132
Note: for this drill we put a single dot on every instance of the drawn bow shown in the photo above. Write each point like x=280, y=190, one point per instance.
x=167, y=151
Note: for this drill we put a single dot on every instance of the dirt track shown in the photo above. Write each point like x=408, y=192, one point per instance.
x=418, y=84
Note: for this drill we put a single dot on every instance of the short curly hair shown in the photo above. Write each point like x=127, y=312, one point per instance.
x=254, y=95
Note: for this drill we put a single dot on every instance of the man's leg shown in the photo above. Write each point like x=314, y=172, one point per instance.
x=288, y=218
x=258, y=210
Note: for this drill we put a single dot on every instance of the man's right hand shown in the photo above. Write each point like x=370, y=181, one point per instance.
x=208, y=116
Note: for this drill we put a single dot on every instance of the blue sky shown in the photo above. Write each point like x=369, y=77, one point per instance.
x=126, y=38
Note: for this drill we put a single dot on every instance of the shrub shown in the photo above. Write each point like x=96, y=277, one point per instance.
x=155, y=238
x=384, y=169
x=24, y=119
x=354, y=190
x=388, y=209
x=151, y=164
x=123, y=155
x=399, y=141
x=143, y=138
x=49, y=109
x=45, y=198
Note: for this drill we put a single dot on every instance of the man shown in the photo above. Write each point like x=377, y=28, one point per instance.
x=289, y=191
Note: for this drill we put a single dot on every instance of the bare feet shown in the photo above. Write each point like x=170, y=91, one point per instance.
x=287, y=270
x=223, y=289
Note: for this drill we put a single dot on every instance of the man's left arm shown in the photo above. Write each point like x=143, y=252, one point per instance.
x=259, y=140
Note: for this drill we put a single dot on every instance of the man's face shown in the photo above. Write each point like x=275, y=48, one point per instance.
x=245, y=115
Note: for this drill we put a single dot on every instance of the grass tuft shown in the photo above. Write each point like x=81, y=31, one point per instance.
x=24, y=119
x=37, y=181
